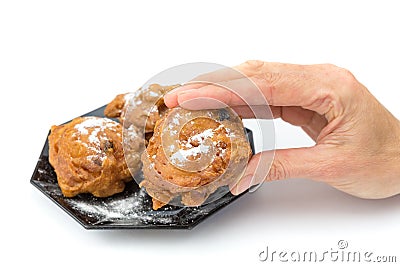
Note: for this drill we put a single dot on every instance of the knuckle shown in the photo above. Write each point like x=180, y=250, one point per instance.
x=343, y=84
x=329, y=66
x=342, y=75
x=277, y=171
x=346, y=78
x=255, y=66
x=266, y=83
x=254, y=63
x=271, y=77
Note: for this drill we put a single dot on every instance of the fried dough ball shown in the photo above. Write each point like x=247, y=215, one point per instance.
x=87, y=156
x=138, y=112
x=189, y=156
x=148, y=103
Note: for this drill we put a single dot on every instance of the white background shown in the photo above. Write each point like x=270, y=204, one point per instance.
x=60, y=59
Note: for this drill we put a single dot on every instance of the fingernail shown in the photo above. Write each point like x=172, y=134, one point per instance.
x=181, y=88
x=173, y=91
x=243, y=184
x=255, y=184
x=186, y=91
x=254, y=187
x=189, y=86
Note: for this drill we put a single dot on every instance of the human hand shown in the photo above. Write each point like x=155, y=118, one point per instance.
x=357, y=140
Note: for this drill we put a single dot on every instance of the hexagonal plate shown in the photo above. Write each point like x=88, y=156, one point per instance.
x=131, y=209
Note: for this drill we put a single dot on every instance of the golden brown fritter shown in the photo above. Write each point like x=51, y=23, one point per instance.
x=87, y=156
x=116, y=107
x=193, y=162
x=147, y=104
x=138, y=112
x=191, y=147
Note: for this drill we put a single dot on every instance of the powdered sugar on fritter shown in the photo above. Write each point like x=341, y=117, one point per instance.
x=95, y=126
x=92, y=122
x=189, y=150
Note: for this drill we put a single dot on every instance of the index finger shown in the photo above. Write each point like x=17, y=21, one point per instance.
x=243, y=71
x=294, y=85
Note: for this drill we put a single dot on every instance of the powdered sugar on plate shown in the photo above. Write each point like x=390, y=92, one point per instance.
x=125, y=208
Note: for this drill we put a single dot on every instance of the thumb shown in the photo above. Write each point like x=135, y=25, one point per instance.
x=278, y=165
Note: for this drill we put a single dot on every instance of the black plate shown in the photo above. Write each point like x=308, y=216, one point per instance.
x=131, y=209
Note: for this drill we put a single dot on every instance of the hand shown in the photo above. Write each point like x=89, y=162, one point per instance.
x=357, y=140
